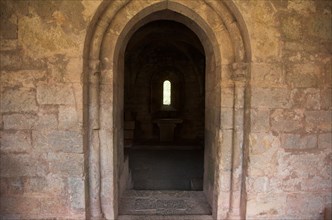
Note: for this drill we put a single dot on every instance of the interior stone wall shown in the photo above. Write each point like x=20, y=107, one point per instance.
x=288, y=162
x=289, y=167
x=42, y=161
x=159, y=50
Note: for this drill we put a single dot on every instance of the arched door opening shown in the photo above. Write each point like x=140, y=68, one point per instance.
x=111, y=122
x=164, y=99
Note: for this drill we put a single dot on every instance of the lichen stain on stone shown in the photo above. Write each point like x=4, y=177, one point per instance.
x=42, y=39
x=291, y=27
x=303, y=7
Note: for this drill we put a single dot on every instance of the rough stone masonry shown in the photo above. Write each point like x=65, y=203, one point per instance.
x=42, y=155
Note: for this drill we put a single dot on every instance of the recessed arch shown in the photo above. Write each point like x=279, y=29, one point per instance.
x=225, y=47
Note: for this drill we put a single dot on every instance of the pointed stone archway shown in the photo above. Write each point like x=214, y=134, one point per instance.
x=222, y=32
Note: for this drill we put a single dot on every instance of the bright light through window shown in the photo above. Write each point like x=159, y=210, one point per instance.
x=166, y=92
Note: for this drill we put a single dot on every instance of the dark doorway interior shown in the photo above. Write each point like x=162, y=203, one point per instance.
x=164, y=107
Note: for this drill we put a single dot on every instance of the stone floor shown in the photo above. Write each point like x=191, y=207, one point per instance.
x=165, y=217
x=171, y=169
x=164, y=203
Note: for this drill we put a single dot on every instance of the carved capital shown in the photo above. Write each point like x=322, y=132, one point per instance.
x=94, y=65
x=240, y=71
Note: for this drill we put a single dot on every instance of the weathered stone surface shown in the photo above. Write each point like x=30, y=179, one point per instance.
x=289, y=155
x=318, y=121
x=19, y=100
x=46, y=121
x=19, y=205
x=303, y=75
x=10, y=186
x=304, y=172
x=263, y=150
x=301, y=205
x=30, y=121
x=66, y=164
x=55, y=94
x=19, y=121
x=73, y=70
x=76, y=191
x=305, y=98
x=226, y=117
x=292, y=27
x=13, y=165
x=270, y=98
x=262, y=142
x=299, y=142
x=6, y=45
x=284, y=120
x=260, y=120
x=227, y=99
x=23, y=78
x=270, y=206
x=325, y=140
x=15, y=142
x=267, y=74
x=55, y=141
x=68, y=118
x=326, y=99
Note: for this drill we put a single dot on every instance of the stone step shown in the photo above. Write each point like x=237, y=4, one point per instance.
x=165, y=217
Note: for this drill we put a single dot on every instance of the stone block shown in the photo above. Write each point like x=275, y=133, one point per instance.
x=8, y=24
x=225, y=155
x=304, y=205
x=267, y=74
x=15, y=142
x=55, y=141
x=22, y=78
x=76, y=192
x=19, y=121
x=259, y=143
x=227, y=97
x=68, y=118
x=226, y=117
x=325, y=141
x=270, y=97
x=287, y=120
x=291, y=26
x=305, y=98
x=319, y=26
x=53, y=94
x=318, y=121
x=53, y=206
x=66, y=164
x=326, y=99
x=260, y=120
x=10, y=186
x=266, y=205
x=35, y=184
x=15, y=165
x=46, y=121
x=26, y=205
x=298, y=141
x=303, y=75
x=7, y=45
x=304, y=172
x=74, y=70
x=19, y=100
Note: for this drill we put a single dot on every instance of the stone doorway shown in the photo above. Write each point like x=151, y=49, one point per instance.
x=225, y=82
x=164, y=141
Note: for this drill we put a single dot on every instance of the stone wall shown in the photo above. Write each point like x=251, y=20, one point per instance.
x=42, y=161
x=289, y=173
x=42, y=172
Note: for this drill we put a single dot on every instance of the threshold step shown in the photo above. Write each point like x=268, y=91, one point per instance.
x=165, y=217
